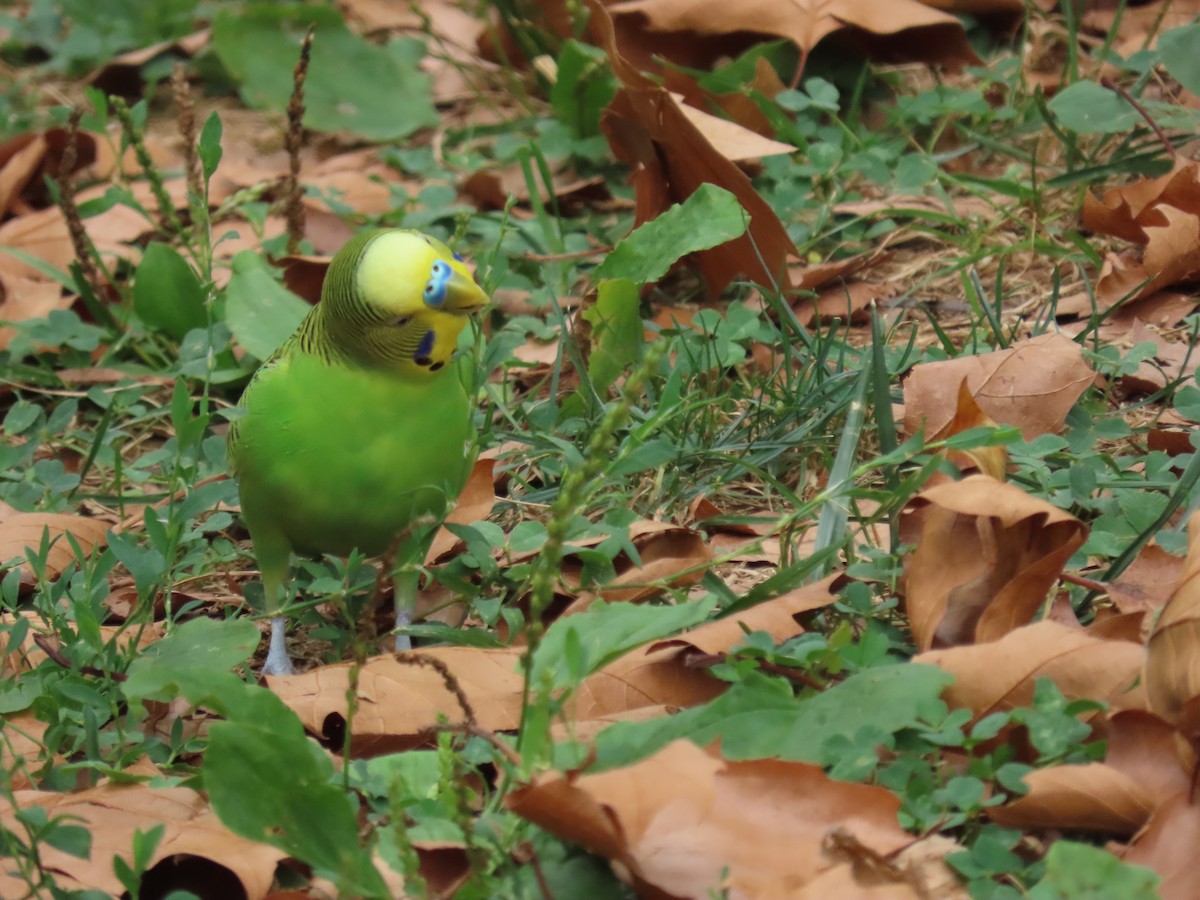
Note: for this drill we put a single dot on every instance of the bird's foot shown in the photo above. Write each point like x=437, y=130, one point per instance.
x=278, y=662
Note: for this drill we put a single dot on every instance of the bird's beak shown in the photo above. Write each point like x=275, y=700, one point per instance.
x=463, y=295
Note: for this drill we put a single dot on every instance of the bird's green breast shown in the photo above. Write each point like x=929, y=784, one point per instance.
x=337, y=456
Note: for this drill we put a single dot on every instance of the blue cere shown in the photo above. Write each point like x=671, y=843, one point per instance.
x=424, y=349
x=435, y=287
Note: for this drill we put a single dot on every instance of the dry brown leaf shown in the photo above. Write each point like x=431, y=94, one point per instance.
x=25, y=530
x=1168, y=846
x=23, y=747
x=27, y=655
x=27, y=298
x=987, y=555
x=1151, y=579
x=28, y=159
x=113, y=812
x=899, y=30
x=776, y=617
x=968, y=414
x=475, y=502
x=671, y=555
x=1033, y=384
x=1118, y=796
x=970, y=207
x=1139, y=24
x=672, y=158
x=1000, y=675
x=682, y=823
x=1092, y=797
x=398, y=701
x=1173, y=650
x=1163, y=215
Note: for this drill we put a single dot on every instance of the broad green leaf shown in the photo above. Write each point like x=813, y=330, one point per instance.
x=1082, y=872
x=196, y=656
x=760, y=718
x=268, y=782
x=710, y=217
x=260, y=312
x=617, y=332
x=352, y=85
x=1178, y=49
x=583, y=87
x=578, y=645
x=1088, y=108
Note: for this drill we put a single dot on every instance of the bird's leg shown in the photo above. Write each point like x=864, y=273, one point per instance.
x=274, y=561
x=405, y=582
x=278, y=662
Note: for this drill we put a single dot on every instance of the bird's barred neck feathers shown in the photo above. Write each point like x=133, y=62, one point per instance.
x=379, y=305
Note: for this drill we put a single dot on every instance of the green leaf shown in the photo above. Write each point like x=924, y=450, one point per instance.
x=617, y=332
x=190, y=660
x=710, y=217
x=583, y=88
x=209, y=146
x=760, y=718
x=1088, y=108
x=1083, y=872
x=260, y=312
x=352, y=85
x=268, y=782
x=1177, y=49
x=578, y=645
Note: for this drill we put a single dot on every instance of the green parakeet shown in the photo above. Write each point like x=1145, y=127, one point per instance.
x=360, y=422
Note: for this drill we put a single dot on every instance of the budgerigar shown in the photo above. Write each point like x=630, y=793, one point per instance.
x=360, y=422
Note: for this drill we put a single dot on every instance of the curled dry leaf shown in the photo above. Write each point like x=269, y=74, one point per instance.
x=1173, y=650
x=24, y=531
x=1140, y=774
x=1118, y=796
x=1160, y=214
x=683, y=823
x=987, y=555
x=1093, y=797
x=1000, y=675
x=112, y=813
x=968, y=414
x=672, y=158
x=1033, y=385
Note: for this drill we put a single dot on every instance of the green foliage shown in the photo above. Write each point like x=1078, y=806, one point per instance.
x=77, y=35
x=1082, y=872
x=167, y=295
x=373, y=92
x=709, y=217
x=260, y=312
x=808, y=437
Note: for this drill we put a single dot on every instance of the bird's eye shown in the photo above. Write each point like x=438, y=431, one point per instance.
x=435, y=287
x=399, y=321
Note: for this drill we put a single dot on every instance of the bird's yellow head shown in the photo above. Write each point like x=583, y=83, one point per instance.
x=398, y=299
